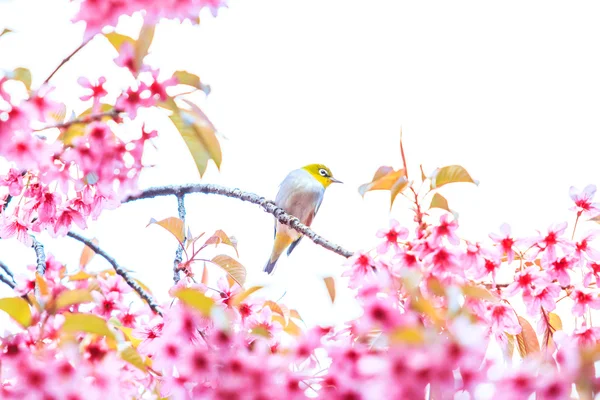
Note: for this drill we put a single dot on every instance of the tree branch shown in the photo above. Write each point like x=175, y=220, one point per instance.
x=40, y=256
x=119, y=270
x=179, y=251
x=113, y=113
x=279, y=213
x=7, y=270
x=7, y=281
x=66, y=59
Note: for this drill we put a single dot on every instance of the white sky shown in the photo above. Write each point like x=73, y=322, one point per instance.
x=510, y=91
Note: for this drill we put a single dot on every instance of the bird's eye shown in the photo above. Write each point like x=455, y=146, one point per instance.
x=323, y=172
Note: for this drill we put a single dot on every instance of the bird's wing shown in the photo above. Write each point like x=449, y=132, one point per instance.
x=308, y=222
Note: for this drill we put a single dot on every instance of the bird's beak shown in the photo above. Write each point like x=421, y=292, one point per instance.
x=332, y=179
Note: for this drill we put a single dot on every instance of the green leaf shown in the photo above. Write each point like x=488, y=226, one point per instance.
x=220, y=237
x=79, y=322
x=195, y=299
x=117, y=40
x=527, y=341
x=71, y=297
x=143, y=44
x=199, y=136
x=330, y=285
x=17, y=309
x=173, y=225
x=23, y=75
x=439, y=201
x=232, y=267
x=134, y=358
x=450, y=174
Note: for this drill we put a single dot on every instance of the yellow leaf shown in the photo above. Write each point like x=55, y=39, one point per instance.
x=330, y=285
x=439, y=201
x=59, y=113
x=295, y=314
x=143, y=44
x=79, y=322
x=200, y=139
x=128, y=332
x=510, y=345
x=173, y=225
x=117, y=40
x=260, y=331
x=41, y=284
x=221, y=237
x=408, y=335
x=87, y=254
x=527, y=341
x=134, y=358
x=195, y=299
x=232, y=267
x=397, y=188
x=80, y=276
x=292, y=329
x=384, y=179
x=23, y=75
x=279, y=309
x=422, y=305
x=239, y=298
x=450, y=174
x=478, y=292
x=17, y=309
x=186, y=78
x=77, y=130
x=555, y=322
x=71, y=297
x=5, y=31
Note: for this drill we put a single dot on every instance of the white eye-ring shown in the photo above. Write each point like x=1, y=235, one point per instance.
x=323, y=172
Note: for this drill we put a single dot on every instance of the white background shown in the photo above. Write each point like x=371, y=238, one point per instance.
x=508, y=90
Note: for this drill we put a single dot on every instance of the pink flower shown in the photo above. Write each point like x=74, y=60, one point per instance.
x=554, y=386
x=126, y=58
x=505, y=241
x=444, y=229
x=15, y=226
x=14, y=181
x=502, y=318
x=525, y=280
x=132, y=99
x=544, y=295
x=159, y=89
x=584, y=298
x=96, y=90
x=361, y=265
x=583, y=249
x=391, y=236
x=559, y=269
x=594, y=272
x=65, y=219
x=583, y=201
x=443, y=264
x=586, y=337
x=403, y=259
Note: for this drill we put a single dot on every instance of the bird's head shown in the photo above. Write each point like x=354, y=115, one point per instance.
x=322, y=174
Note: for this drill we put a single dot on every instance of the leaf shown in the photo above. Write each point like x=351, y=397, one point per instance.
x=199, y=136
x=555, y=322
x=422, y=305
x=330, y=285
x=5, y=31
x=292, y=329
x=87, y=254
x=187, y=78
x=527, y=341
x=295, y=314
x=478, y=292
x=71, y=297
x=510, y=346
x=143, y=44
x=173, y=225
x=18, y=309
x=134, y=358
x=439, y=201
x=260, y=331
x=204, y=279
x=128, y=332
x=80, y=276
x=450, y=174
x=384, y=179
x=195, y=299
x=239, y=298
x=423, y=176
x=221, y=237
x=407, y=335
x=79, y=322
x=77, y=130
x=23, y=75
x=279, y=309
x=41, y=284
x=397, y=188
x=232, y=267
x=59, y=114
x=117, y=40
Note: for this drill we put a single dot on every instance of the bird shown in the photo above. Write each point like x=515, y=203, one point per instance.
x=300, y=194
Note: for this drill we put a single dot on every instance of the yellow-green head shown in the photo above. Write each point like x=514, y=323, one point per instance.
x=321, y=173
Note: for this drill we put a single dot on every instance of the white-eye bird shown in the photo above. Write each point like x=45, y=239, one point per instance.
x=300, y=194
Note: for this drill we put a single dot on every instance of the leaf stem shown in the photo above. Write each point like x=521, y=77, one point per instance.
x=66, y=59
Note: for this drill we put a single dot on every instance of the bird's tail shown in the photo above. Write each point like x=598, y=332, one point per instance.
x=282, y=241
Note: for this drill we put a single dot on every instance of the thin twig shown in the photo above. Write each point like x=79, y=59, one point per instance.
x=267, y=205
x=113, y=113
x=66, y=59
x=179, y=251
x=7, y=281
x=7, y=270
x=119, y=270
x=40, y=256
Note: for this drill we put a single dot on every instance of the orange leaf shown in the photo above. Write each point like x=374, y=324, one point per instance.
x=234, y=268
x=87, y=254
x=439, y=201
x=173, y=225
x=527, y=341
x=330, y=284
x=384, y=179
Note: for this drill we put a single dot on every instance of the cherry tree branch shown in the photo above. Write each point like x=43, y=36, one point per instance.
x=113, y=113
x=119, y=270
x=40, y=256
x=179, y=251
x=10, y=282
x=267, y=205
x=66, y=59
x=7, y=281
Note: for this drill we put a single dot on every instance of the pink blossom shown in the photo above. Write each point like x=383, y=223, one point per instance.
x=15, y=226
x=583, y=201
x=586, y=336
x=66, y=217
x=14, y=181
x=126, y=58
x=583, y=249
x=134, y=98
x=525, y=280
x=96, y=90
x=584, y=298
x=445, y=229
x=392, y=236
x=553, y=240
x=505, y=241
x=158, y=88
x=544, y=295
x=361, y=265
x=559, y=269
x=503, y=318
